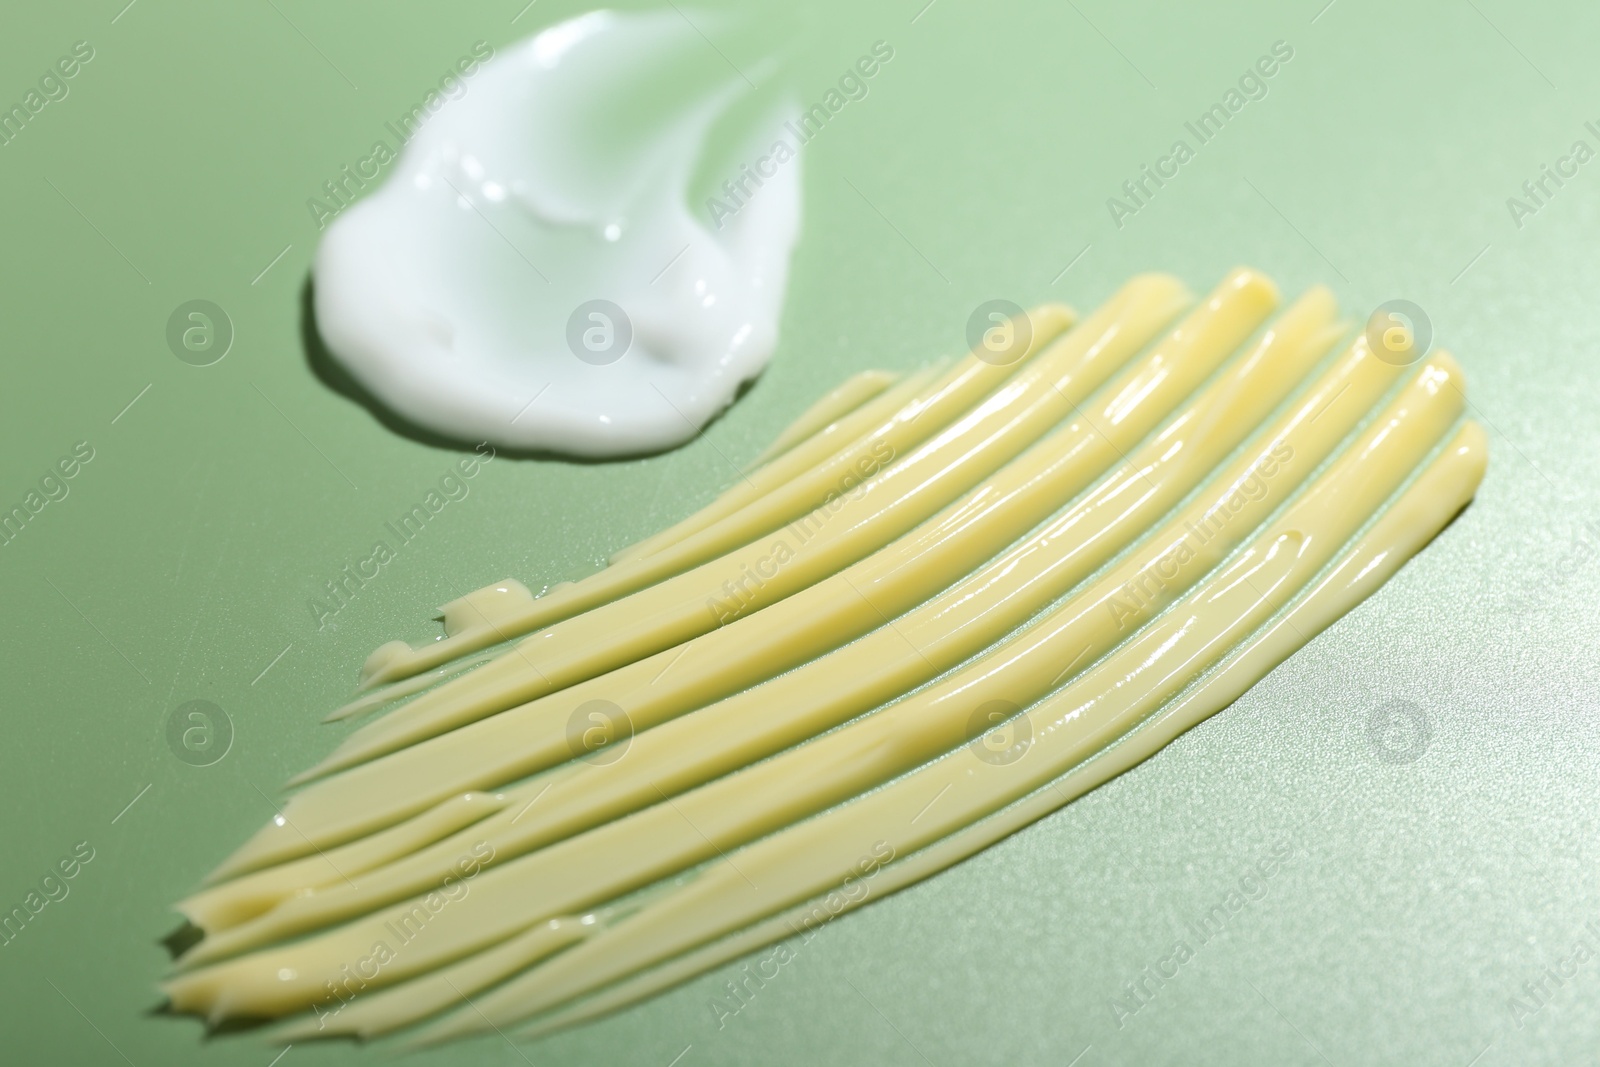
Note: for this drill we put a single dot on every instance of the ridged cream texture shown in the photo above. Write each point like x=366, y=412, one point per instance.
x=938, y=607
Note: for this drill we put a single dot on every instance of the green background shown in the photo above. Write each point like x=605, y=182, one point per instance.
x=1419, y=897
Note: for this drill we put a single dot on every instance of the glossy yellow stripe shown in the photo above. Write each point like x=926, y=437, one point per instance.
x=553, y=918
x=605, y=862
x=219, y=907
x=353, y=1011
x=780, y=464
x=828, y=409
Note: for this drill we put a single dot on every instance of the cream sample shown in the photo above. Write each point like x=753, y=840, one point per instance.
x=1092, y=578
x=531, y=274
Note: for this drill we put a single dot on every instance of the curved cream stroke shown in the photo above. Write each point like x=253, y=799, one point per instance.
x=633, y=851
x=855, y=430
x=835, y=404
x=1400, y=531
x=1198, y=595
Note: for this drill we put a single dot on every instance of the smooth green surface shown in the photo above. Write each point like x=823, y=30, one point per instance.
x=1419, y=896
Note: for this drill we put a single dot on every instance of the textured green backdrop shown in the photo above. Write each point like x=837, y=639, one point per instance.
x=1419, y=896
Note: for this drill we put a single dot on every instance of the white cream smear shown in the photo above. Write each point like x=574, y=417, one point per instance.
x=463, y=293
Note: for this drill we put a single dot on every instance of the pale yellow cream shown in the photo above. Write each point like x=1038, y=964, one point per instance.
x=1000, y=587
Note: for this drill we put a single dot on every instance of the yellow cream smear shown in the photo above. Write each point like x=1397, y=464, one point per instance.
x=935, y=609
